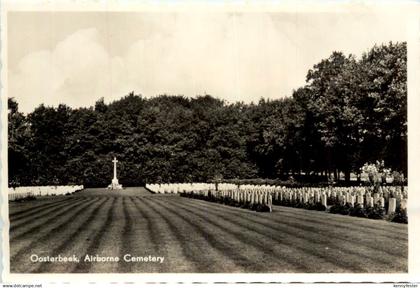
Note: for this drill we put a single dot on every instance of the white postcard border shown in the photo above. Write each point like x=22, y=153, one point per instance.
x=410, y=9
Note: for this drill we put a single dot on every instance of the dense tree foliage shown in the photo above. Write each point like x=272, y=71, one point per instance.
x=351, y=111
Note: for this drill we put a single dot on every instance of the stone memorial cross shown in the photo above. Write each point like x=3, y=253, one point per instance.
x=115, y=161
x=114, y=183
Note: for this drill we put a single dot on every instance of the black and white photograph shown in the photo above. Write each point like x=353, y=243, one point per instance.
x=209, y=141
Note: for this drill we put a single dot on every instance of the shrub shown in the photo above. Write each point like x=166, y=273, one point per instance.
x=319, y=207
x=26, y=198
x=400, y=216
x=358, y=211
x=299, y=205
x=246, y=205
x=340, y=209
x=332, y=201
x=261, y=208
x=285, y=202
x=308, y=206
x=375, y=212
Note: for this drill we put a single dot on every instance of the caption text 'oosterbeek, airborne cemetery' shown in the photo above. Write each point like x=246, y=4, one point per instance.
x=163, y=171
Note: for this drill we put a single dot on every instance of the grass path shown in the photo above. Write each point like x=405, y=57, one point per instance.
x=196, y=236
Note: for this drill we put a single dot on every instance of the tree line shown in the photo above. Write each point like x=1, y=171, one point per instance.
x=350, y=111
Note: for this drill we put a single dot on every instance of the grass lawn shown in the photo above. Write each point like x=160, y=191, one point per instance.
x=196, y=236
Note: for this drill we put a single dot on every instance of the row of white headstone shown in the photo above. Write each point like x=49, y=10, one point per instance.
x=25, y=191
x=175, y=188
x=394, y=196
x=362, y=199
x=263, y=198
x=266, y=198
x=386, y=191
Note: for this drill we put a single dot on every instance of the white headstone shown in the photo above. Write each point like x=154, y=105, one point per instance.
x=382, y=202
x=403, y=204
x=392, y=205
x=352, y=200
x=360, y=200
x=324, y=200
x=369, y=201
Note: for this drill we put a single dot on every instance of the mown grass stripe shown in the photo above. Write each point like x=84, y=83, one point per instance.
x=277, y=236
x=321, y=229
x=16, y=234
x=58, y=228
x=190, y=252
x=35, y=210
x=336, y=223
x=323, y=217
x=85, y=267
x=90, y=216
x=353, y=253
x=154, y=233
x=266, y=250
x=16, y=224
x=151, y=225
x=237, y=258
x=372, y=224
x=126, y=236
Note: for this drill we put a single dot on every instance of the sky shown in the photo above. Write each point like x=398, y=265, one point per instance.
x=75, y=58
